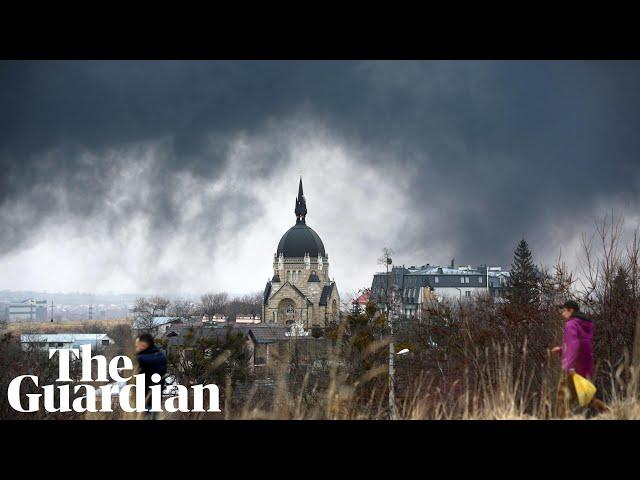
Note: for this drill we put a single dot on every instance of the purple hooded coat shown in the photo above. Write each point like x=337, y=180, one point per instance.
x=577, y=345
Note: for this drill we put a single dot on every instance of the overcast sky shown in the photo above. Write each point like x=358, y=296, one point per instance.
x=181, y=176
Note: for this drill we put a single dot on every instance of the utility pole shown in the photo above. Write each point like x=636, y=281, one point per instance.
x=387, y=261
x=90, y=312
x=51, y=310
x=392, y=387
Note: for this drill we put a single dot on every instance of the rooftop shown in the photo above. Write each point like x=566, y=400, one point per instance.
x=62, y=337
x=440, y=270
x=141, y=322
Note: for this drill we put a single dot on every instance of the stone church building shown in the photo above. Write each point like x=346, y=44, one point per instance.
x=300, y=291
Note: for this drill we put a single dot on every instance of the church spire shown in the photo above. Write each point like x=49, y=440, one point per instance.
x=301, y=205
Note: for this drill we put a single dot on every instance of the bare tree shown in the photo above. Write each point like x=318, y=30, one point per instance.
x=159, y=305
x=633, y=271
x=609, y=290
x=556, y=284
x=145, y=309
x=245, y=305
x=183, y=309
x=214, y=303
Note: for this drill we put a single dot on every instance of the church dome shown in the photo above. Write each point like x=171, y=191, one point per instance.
x=299, y=240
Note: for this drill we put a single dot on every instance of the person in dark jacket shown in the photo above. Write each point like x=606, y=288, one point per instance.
x=150, y=360
x=577, y=356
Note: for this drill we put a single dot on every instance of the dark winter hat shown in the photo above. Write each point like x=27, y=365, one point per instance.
x=571, y=304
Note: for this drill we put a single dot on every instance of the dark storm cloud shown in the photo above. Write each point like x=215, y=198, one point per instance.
x=498, y=149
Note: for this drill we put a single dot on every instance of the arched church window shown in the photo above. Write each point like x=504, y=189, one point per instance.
x=289, y=313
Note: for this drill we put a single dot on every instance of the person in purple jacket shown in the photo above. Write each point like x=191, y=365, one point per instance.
x=577, y=356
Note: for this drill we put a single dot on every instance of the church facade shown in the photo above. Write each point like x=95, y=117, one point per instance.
x=300, y=291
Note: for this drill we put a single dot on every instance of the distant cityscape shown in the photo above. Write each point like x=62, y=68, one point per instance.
x=411, y=287
x=63, y=307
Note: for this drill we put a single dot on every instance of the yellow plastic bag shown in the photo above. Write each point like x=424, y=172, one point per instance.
x=584, y=389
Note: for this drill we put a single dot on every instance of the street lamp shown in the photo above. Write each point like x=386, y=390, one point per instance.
x=392, y=385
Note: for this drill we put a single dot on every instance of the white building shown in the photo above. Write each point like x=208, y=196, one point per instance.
x=414, y=284
x=27, y=311
x=45, y=341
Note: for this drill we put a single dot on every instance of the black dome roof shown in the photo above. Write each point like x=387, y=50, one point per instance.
x=300, y=239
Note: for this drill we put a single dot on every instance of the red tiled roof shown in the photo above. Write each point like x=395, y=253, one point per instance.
x=364, y=297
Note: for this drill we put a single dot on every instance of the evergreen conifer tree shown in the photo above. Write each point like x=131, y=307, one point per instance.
x=523, y=289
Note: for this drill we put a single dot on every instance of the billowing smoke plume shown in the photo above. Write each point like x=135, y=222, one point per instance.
x=181, y=176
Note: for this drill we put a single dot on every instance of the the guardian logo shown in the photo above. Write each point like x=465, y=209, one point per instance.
x=87, y=399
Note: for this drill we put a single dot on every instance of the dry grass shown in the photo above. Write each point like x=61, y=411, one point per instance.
x=498, y=392
x=498, y=402
x=63, y=327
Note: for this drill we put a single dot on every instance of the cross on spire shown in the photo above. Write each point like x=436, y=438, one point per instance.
x=301, y=205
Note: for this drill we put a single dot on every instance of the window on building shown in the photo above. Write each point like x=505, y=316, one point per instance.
x=105, y=342
x=467, y=293
x=479, y=279
x=461, y=279
x=287, y=311
x=436, y=279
